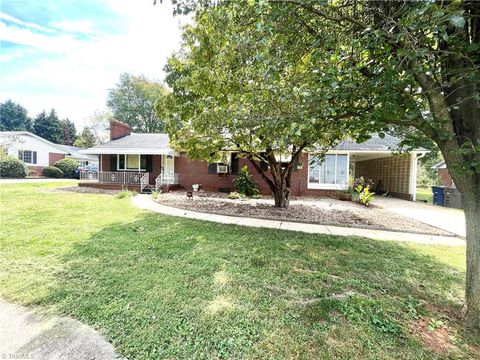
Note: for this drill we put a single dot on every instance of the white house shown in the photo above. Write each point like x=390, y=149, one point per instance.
x=37, y=152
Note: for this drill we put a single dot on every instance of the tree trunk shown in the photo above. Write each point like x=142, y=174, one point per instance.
x=281, y=195
x=471, y=204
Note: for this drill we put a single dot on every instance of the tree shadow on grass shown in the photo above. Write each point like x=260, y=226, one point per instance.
x=165, y=287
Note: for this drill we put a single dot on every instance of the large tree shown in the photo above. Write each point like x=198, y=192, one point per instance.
x=69, y=132
x=133, y=102
x=86, y=139
x=48, y=126
x=232, y=92
x=419, y=64
x=13, y=117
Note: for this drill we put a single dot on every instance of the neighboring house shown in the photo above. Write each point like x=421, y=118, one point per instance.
x=37, y=152
x=83, y=160
x=443, y=173
x=140, y=160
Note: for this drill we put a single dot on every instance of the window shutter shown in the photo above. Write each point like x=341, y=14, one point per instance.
x=212, y=168
x=20, y=154
x=34, y=157
x=234, y=163
x=113, y=163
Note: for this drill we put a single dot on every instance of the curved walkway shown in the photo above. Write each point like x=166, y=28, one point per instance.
x=145, y=202
x=27, y=335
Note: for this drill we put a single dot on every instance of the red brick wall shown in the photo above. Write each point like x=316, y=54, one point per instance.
x=196, y=172
x=119, y=129
x=54, y=157
x=394, y=171
x=445, y=177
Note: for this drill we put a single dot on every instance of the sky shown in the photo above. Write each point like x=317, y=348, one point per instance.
x=67, y=54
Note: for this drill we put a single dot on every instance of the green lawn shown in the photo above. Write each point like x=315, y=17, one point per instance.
x=164, y=287
x=425, y=194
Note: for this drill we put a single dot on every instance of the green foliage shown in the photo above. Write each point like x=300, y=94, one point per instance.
x=48, y=127
x=86, y=139
x=11, y=167
x=68, y=166
x=14, y=117
x=69, y=132
x=52, y=172
x=228, y=292
x=133, y=101
x=235, y=195
x=155, y=194
x=361, y=191
x=124, y=194
x=244, y=183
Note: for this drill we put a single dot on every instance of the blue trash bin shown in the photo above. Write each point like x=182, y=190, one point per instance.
x=438, y=195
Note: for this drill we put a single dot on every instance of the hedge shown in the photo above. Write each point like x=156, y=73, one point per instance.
x=11, y=167
x=53, y=172
x=68, y=166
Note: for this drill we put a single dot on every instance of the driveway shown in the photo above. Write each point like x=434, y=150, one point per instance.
x=32, y=180
x=452, y=220
x=27, y=335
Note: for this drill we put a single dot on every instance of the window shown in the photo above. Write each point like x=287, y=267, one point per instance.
x=28, y=156
x=332, y=173
x=130, y=162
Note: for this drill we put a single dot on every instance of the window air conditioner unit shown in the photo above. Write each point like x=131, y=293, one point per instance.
x=222, y=169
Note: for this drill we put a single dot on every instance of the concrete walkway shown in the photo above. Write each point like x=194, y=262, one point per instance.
x=448, y=219
x=145, y=202
x=26, y=335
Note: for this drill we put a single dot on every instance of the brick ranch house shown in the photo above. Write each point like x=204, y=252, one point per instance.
x=142, y=161
x=443, y=174
x=37, y=152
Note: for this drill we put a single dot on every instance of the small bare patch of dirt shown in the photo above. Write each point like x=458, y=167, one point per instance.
x=437, y=340
x=325, y=211
x=87, y=190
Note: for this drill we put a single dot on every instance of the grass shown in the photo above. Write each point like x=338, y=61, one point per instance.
x=164, y=287
x=424, y=195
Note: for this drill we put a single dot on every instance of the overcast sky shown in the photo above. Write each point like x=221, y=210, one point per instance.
x=67, y=54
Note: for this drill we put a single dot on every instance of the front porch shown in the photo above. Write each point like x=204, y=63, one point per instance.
x=132, y=180
x=139, y=172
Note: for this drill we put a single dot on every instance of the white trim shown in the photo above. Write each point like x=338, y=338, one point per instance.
x=320, y=186
x=125, y=161
x=412, y=186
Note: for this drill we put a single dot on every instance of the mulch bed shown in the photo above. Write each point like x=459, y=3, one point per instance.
x=87, y=190
x=324, y=211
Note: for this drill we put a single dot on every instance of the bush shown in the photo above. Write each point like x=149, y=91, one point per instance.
x=53, y=172
x=235, y=195
x=124, y=194
x=11, y=167
x=362, y=193
x=244, y=183
x=68, y=166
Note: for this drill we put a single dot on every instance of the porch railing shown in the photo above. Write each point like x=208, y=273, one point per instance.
x=144, y=181
x=89, y=175
x=166, y=179
x=116, y=177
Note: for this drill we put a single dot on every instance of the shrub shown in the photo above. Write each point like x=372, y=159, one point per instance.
x=361, y=191
x=124, y=194
x=244, y=183
x=235, y=195
x=53, y=172
x=68, y=166
x=155, y=193
x=11, y=167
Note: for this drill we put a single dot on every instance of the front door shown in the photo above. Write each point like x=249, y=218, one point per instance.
x=168, y=165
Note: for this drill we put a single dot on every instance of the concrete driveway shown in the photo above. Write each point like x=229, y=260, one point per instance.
x=452, y=220
x=27, y=335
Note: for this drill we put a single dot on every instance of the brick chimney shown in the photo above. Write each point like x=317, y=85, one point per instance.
x=119, y=129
